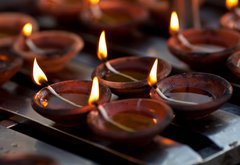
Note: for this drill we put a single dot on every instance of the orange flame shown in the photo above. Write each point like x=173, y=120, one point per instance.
x=231, y=4
x=152, y=78
x=27, y=30
x=38, y=75
x=174, y=23
x=94, y=95
x=94, y=2
x=102, y=47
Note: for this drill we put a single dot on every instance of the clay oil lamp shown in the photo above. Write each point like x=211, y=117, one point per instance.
x=131, y=121
x=52, y=48
x=233, y=64
x=117, y=17
x=11, y=25
x=203, y=49
x=127, y=76
x=10, y=64
x=65, y=102
x=192, y=95
x=231, y=20
x=63, y=10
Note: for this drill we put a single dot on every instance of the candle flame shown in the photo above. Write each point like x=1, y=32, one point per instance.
x=102, y=47
x=27, y=29
x=94, y=95
x=38, y=75
x=174, y=23
x=152, y=78
x=94, y=2
x=231, y=4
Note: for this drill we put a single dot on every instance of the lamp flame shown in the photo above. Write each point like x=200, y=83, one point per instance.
x=27, y=30
x=94, y=2
x=38, y=75
x=152, y=78
x=102, y=47
x=174, y=23
x=231, y=4
x=94, y=95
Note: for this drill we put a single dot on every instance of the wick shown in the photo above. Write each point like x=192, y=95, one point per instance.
x=186, y=43
x=96, y=11
x=32, y=46
x=112, y=69
x=62, y=98
x=160, y=93
x=106, y=117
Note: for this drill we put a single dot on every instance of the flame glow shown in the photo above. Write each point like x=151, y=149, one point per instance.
x=38, y=75
x=152, y=78
x=94, y=2
x=230, y=4
x=27, y=29
x=94, y=95
x=102, y=47
x=174, y=23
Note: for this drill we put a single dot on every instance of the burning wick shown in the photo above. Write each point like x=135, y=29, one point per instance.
x=102, y=55
x=95, y=9
x=174, y=30
x=232, y=5
x=94, y=96
x=152, y=81
x=40, y=78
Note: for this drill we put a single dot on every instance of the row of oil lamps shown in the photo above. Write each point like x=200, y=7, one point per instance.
x=136, y=120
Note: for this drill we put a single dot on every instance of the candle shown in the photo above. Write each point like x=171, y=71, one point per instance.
x=95, y=10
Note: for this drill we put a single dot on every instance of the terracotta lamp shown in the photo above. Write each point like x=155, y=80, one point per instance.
x=203, y=48
x=116, y=17
x=53, y=49
x=11, y=26
x=193, y=95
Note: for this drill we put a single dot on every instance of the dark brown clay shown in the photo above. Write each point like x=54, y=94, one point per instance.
x=159, y=110
x=140, y=64
x=227, y=39
x=63, y=10
x=67, y=46
x=26, y=159
x=10, y=64
x=230, y=21
x=233, y=64
x=219, y=89
x=68, y=116
x=11, y=25
x=135, y=13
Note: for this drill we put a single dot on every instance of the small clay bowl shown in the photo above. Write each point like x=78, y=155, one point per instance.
x=66, y=44
x=118, y=18
x=26, y=159
x=11, y=26
x=137, y=65
x=233, y=64
x=228, y=40
x=208, y=90
x=63, y=10
x=10, y=64
x=230, y=21
x=64, y=113
x=158, y=112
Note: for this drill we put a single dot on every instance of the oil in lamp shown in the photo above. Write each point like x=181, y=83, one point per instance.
x=64, y=102
x=52, y=48
x=202, y=48
x=127, y=76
